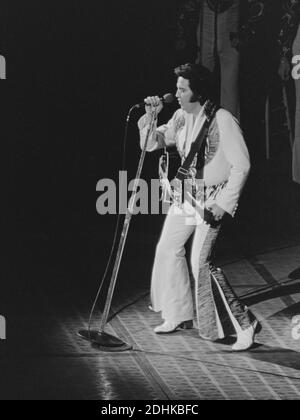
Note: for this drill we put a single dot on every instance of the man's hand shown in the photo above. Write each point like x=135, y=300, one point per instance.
x=284, y=70
x=217, y=211
x=153, y=104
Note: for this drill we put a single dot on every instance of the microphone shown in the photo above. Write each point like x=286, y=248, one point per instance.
x=168, y=98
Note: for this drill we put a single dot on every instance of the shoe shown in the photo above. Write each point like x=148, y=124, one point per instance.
x=150, y=307
x=245, y=339
x=169, y=327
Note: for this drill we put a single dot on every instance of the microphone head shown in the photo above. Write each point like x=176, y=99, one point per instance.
x=168, y=98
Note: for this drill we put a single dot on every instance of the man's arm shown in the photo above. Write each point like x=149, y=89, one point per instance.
x=160, y=137
x=156, y=140
x=288, y=28
x=236, y=153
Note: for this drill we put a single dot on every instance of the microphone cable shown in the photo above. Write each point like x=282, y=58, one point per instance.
x=116, y=228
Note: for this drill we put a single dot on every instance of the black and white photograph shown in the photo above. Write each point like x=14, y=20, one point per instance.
x=150, y=202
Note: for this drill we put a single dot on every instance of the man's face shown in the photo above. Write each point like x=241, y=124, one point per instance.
x=184, y=94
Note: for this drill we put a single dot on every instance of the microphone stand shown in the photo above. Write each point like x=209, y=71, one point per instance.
x=100, y=337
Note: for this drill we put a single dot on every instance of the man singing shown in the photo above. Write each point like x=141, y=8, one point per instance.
x=223, y=165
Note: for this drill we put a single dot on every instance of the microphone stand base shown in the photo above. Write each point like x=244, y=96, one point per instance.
x=104, y=341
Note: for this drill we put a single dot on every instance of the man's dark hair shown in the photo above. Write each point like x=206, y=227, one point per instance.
x=200, y=81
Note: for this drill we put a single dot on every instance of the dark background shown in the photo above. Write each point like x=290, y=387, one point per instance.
x=74, y=68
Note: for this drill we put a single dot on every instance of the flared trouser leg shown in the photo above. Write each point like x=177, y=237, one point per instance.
x=219, y=311
x=212, y=48
x=296, y=147
x=229, y=59
x=170, y=286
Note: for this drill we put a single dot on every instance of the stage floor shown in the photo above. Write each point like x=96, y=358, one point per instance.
x=43, y=358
